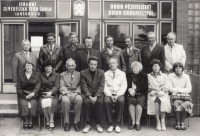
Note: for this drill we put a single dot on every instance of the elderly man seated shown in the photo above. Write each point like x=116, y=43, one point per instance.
x=115, y=87
x=70, y=94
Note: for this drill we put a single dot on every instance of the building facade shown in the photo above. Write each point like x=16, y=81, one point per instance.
x=33, y=19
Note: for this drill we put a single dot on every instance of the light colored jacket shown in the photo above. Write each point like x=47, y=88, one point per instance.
x=172, y=55
x=116, y=85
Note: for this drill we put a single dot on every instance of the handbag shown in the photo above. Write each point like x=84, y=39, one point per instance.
x=181, y=96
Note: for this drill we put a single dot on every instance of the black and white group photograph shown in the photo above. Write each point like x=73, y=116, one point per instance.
x=99, y=67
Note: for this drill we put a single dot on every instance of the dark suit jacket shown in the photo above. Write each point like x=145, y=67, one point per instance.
x=81, y=60
x=147, y=56
x=91, y=87
x=129, y=58
x=18, y=62
x=50, y=83
x=141, y=82
x=117, y=52
x=68, y=53
x=56, y=57
x=31, y=85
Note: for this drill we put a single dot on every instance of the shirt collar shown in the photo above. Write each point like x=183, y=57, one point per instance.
x=25, y=52
x=71, y=73
x=159, y=73
x=183, y=75
x=110, y=50
x=52, y=46
x=154, y=44
x=169, y=47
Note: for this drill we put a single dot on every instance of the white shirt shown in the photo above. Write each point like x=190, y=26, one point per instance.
x=26, y=53
x=174, y=54
x=116, y=85
x=52, y=47
x=128, y=49
x=151, y=47
x=110, y=50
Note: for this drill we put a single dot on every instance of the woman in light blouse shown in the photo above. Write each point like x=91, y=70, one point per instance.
x=180, y=83
x=158, y=98
x=48, y=101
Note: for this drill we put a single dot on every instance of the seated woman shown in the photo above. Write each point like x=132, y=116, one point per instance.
x=180, y=83
x=137, y=94
x=48, y=102
x=158, y=98
x=28, y=87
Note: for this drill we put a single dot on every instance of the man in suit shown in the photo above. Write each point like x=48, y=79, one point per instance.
x=21, y=58
x=131, y=54
x=92, y=86
x=112, y=51
x=70, y=51
x=83, y=55
x=70, y=94
x=152, y=51
x=53, y=52
x=115, y=88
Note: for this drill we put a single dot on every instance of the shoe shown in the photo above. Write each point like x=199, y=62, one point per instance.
x=163, y=128
x=118, y=129
x=177, y=127
x=76, y=127
x=86, y=128
x=158, y=127
x=132, y=126
x=47, y=125
x=30, y=126
x=51, y=126
x=138, y=127
x=67, y=127
x=25, y=126
x=183, y=127
x=110, y=129
x=99, y=128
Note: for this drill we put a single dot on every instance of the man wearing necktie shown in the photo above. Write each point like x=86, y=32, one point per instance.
x=71, y=50
x=53, y=52
x=84, y=55
x=131, y=54
x=152, y=51
x=70, y=94
x=115, y=88
x=173, y=53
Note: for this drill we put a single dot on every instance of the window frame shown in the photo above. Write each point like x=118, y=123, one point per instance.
x=172, y=3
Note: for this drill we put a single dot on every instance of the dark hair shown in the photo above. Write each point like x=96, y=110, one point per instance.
x=93, y=58
x=178, y=64
x=28, y=63
x=126, y=37
x=108, y=36
x=73, y=33
x=87, y=37
x=47, y=63
x=155, y=61
x=51, y=34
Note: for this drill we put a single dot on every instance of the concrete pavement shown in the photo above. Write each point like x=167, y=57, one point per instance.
x=11, y=126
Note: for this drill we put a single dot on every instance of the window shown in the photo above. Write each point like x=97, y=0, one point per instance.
x=94, y=10
x=166, y=10
x=166, y=27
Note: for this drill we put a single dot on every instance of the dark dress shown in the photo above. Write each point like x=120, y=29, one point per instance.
x=50, y=83
x=141, y=82
x=26, y=86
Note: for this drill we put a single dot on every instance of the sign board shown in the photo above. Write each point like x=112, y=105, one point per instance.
x=28, y=8
x=79, y=8
x=140, y=10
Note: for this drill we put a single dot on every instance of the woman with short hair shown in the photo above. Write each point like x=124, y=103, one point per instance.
x=28, y=87
x=137, y=94
x=48, y=102
x=180, y=84
x=158, y=98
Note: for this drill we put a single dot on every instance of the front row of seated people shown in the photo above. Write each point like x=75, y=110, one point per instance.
x=93, y=92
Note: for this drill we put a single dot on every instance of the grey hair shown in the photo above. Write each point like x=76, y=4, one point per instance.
x=151, y=33
x=70, y=59
x=137, y=64
x=171, y=33
x=26, y=41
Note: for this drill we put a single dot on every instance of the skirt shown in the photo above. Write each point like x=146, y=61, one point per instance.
x=54, y=104
x=180, y=105
x=26, y=105
x=141, y=100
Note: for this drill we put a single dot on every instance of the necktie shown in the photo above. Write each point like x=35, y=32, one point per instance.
x=113, y=74
x=50, y=48
x=88, y=55
x=27, y=55
x=129, y=49
x=71, y=77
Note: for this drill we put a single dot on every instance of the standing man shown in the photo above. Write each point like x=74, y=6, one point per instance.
x=115, y=88
x=112, y=51
x=21, y=58
x=131, y=54
x=173, y=53
x=84, y=55
x=70, y=51
x=152, y=51
x=70, y=94
x=52, y=52
x=92, y=86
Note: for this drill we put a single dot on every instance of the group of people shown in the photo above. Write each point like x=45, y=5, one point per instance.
x=84, y=78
